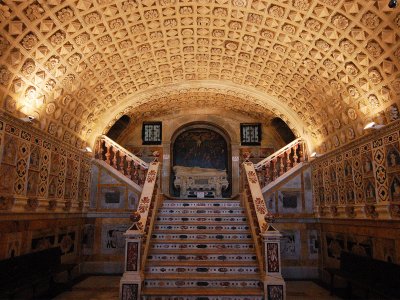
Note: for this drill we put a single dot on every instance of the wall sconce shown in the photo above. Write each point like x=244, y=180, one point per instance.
x=87, y=150
x=373, y=125
x=27, y=119
x=315, y=155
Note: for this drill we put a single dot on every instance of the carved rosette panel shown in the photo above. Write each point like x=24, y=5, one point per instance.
x=62, y=161
x=75, y=181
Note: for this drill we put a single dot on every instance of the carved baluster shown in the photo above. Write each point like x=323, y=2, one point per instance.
x=267, y=173
x=259, y=176
x=135, y=175
x=301, y=152
x=128, y=167
x=295, y=157
x=142, y=175
x=281, y=164
x=274, y=168
x=108, y=153
x=288, y=162
x=114, y=152
x=122, y=163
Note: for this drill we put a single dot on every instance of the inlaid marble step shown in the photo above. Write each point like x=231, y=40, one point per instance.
x=190, y=270
x=201, y=203
x=201, y=259
x=202, y=245
x=204, y=281
x=203, y=294
x=194, y=211
x=202, y=219
x=204, y=236
x=202, y=263
x=199, y=251
x=202, y=228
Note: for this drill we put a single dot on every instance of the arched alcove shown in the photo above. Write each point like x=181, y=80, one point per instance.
x=201, y=145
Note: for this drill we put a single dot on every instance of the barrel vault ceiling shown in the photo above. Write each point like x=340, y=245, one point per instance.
x=75, y=63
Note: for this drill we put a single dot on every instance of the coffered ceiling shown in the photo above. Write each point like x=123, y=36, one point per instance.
x=76, y=65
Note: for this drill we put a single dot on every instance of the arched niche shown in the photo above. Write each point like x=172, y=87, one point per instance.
x=204, y=145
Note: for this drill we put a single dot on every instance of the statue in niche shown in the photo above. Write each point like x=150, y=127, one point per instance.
x=52, y=188
x=370, y=192
x=367, y=165
x=348, y=171
x=34, y=158
x=395, y=188
x=393, y=158
x=350, y=195
x=10, y=150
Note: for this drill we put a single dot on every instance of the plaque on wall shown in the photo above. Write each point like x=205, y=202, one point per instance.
x=152, y=133
x=250, y=134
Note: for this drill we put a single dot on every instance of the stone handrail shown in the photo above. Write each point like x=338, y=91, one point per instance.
x=280, y=162
x=121, y=159
x=139, y=234
x=266, y=237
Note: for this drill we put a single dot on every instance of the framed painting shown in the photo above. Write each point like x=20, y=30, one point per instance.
x=250, y=134
x=152, y=133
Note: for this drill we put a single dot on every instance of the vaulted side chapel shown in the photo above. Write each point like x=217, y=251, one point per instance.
x=199, y=150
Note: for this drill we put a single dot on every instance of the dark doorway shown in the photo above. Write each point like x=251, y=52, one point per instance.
x=283, y=130
x=119, y=126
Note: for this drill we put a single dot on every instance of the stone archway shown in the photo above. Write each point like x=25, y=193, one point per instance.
x=201, y=145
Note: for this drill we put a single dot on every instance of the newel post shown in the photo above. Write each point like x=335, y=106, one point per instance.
x=131, y=281
x=274, y=284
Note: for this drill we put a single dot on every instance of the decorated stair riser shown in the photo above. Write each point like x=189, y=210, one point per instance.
x=202, y=270
x=201, y=246
x=208, y=204
x=185, y=211
x=201, y=258
x=201, y=228
x=196, y=219
x=193, y=283
x=204, y=298
x=189, y=237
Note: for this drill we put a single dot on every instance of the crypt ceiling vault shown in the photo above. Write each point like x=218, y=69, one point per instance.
x=328, y=66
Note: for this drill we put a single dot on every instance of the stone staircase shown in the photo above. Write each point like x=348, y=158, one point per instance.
x=203, y=250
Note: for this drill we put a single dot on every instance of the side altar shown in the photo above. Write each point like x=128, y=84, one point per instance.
x=193, y=180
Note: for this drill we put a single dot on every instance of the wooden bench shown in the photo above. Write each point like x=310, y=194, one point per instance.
x=377, y=278
x=28, y=271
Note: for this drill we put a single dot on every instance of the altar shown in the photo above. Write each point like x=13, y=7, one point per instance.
x=200, y=182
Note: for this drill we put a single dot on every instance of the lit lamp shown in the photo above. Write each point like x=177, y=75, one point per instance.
x=315, y=155
x=87, y=150
x=373, y=125
x=27, y=119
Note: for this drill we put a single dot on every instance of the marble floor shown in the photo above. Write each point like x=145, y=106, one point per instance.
x=106, y=287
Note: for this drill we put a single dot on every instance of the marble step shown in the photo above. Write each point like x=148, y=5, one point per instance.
x=203, y=236
x=197, y=210
x=201, y=228
x=200, y=251
x=202, y=245
x=201, y=203
x=201, y=259
x=199, y=269
x=195, y=219
x=203, y=294
x=203, y=281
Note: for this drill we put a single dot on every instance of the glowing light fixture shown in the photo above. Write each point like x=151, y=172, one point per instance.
x=27, y=119
x=87, y=150
x=315, y=155
x=373, y=125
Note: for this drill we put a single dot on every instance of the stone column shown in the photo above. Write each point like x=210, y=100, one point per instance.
x=131, y=281
x=274, y=285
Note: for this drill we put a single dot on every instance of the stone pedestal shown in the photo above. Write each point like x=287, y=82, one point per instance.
x=274, y=285
x=131, y=281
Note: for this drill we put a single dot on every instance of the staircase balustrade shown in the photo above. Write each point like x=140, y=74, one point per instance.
x=139, y=234
x=280, y=162
x=121, y=159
